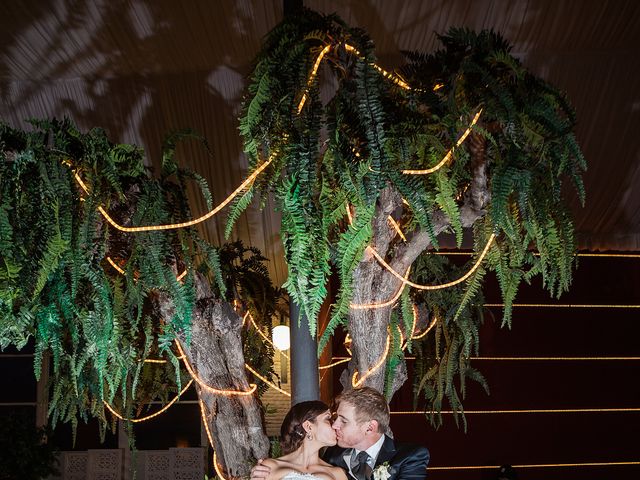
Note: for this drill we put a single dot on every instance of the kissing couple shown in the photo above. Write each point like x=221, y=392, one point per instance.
x=357, y=444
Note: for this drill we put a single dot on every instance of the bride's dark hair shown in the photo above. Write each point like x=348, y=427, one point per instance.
x=292, y=432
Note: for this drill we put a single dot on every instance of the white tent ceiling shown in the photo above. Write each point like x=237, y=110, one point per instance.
x=141, y=69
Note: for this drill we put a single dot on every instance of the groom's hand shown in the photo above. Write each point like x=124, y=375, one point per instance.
x=260, y=471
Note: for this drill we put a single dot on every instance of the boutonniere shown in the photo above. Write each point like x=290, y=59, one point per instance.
x=382, y=472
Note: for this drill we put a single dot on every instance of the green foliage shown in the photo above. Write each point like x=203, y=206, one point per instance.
x=57, y=287
x=24, y=451
x=356, y=144
x=442, y=357
x=246, y=280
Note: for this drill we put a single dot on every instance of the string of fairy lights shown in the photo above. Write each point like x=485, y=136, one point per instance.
x=153, y=415
x=404, y=281
x=246, y=183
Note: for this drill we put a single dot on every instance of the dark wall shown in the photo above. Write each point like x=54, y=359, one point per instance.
x=492, y=438
x=547, y=438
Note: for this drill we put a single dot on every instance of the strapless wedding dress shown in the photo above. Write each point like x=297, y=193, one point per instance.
x=301, y=476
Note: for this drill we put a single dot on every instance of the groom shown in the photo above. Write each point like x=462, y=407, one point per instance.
x=363, y=447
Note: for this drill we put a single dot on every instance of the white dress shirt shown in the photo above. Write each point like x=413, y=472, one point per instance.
x=372, y=451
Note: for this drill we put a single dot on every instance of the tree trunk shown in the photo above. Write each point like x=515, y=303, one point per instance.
x=373, y=284
x=215, y=354
x=369, y=338
x=369, y=327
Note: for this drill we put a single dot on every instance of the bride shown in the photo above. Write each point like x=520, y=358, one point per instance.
x=305, y=430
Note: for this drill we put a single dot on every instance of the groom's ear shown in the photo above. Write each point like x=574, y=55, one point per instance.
x=373, y=426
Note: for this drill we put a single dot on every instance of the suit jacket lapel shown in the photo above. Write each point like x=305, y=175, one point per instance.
x=346, y=460
x=387, y=451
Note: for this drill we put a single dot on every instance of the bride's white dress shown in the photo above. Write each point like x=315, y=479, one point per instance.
x=301, y=476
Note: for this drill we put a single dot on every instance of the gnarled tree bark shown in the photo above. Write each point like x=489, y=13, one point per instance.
x=215, y=353
x=373, y=284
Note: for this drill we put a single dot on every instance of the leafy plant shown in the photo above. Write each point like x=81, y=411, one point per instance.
x=348, y=156
x=84, y=290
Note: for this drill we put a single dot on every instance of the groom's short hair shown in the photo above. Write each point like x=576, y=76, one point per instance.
x=369, y=404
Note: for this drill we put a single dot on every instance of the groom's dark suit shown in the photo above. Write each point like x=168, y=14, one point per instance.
x=406, y=462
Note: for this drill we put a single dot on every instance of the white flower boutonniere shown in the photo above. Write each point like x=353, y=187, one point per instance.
x=382, y=472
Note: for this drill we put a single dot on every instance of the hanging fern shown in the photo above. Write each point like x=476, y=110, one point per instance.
x=346, y=152
x=58, y=288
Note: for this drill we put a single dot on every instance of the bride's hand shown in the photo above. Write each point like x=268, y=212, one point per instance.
x=260, y=471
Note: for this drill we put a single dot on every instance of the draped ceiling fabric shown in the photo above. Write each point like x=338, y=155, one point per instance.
x=141, y=69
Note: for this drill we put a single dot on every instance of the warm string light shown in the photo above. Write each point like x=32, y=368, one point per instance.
x=122, y=272
x=208, y=388
x=266, y=339
x=195, y=221
x=217, y=467
x=115, y=266
x=272, y=385
x=394, y=78
x=406, y=281
x=153, y=360
x=148, y=417
x=434, y=287
x=601, y=255
x=79, y=180
x=391, y=301
x=182, y=275
x=532, y=359
x=449, y=154
x=398, y=81
x=401, y=338
x=431, y=325
x=612, y=255
x=204, y=421
x=347, y=343
x=189, y=223
x=333, y=364
x=572, y=359
x=206, y=428
x=356, y=383
x=395, y=225
x=540, y=465
x=414, y=310
x=545, y=410
x=391, y=76
x=312, y=75
x=556, y=305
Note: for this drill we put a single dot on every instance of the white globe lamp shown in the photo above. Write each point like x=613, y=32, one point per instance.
x=281, y=337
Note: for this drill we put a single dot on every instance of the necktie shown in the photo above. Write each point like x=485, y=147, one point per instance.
x=359, y=466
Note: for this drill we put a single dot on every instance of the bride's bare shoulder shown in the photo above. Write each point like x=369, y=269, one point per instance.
x=338, y=473
x=271, y=462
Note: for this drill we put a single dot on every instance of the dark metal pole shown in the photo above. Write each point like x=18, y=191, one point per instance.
x=305, y=382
